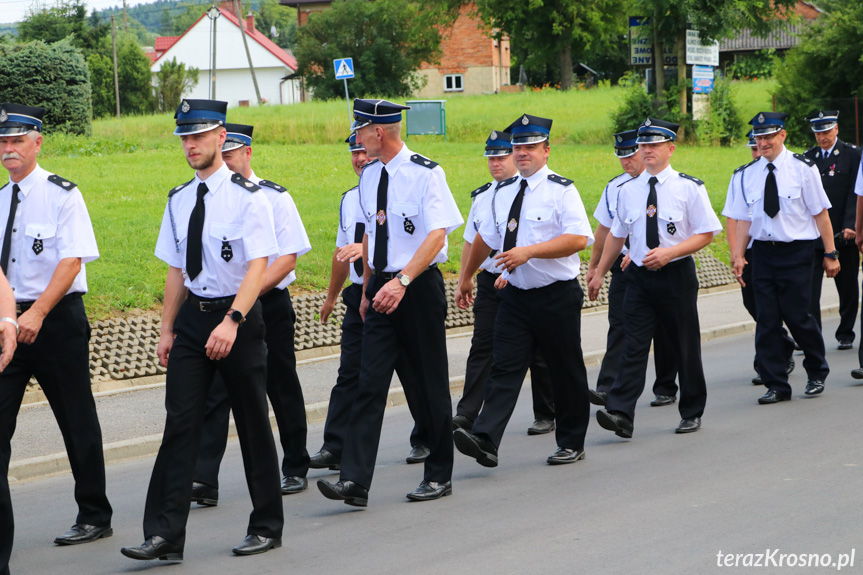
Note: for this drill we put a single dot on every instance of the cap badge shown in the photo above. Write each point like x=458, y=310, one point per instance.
x=3, y=115
x=524, y=120
x=185, y=107
x=493, y=136
x=647, y=122
x=760, y=118
x=619, y=138
x=820, y=114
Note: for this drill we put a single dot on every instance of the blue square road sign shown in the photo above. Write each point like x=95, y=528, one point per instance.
x=344, y=68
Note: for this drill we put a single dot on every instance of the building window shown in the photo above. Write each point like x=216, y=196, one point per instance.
x=453, y=83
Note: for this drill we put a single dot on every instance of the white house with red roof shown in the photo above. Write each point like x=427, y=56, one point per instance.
x=273, y=66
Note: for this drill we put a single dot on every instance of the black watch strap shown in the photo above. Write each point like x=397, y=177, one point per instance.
x=236, y=315
x=834, y=255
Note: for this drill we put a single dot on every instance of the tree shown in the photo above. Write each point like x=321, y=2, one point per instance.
x=172, y=81
x=66, y=18
x=549, y=32
x=387, y=39
x=270, y=16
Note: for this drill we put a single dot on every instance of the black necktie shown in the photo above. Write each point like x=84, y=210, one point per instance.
x=825, y=154
x=380, y=257
x=194, y=247
x=7, y=237
x=359, y=231
x=652, y=231
x=771, y=193
x=512, y=221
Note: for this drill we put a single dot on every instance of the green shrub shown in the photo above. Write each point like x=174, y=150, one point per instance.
x=723, y=121
x=636, y=106
x=54, y=77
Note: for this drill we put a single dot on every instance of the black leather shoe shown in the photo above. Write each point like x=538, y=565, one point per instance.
x=154, y=548
x=418, y=454
x=814, y=387
x=789, y=366
x=616, y=422
x=205, y=495
x=461, y=422
x=564, y=455
x=757, y=380
x=597, y=397
x=541, y=427
x=323, y=459
x=846, y=344
x=429, y=490
x=772, y=397
x=480, y=448
x=346, y=491
x=255, y=544
x=661, y=400
x=82, y=533
x=293, y=484
x=857, y=373
x=688, y=425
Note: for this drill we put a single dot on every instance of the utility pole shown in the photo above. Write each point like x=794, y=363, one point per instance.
x=241, y=20
x=213, y=14
x=116, y=78
x=125, y=20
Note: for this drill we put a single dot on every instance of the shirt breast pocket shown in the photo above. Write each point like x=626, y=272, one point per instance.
x=41, y=241
x=540, y=223
x=670, y=215
x=632, y=216
x=790, y=200
x=227, y=241
x=404, y=217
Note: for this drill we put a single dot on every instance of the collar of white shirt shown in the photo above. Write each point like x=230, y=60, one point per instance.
x=537, y=177
x=830, y=151
x=780, y=159
x=27, y=183
x=215, y=180
x=661, y=176
x=393, y=165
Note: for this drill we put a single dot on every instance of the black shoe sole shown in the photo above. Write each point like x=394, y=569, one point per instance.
x=771, y=402
x=595, y=399
x=578, y=457
x=687, y=430
x=206, y=502
x=413, y=497
x=293, y=490
x=535, y=431
x=413, y=460
x=327, y=491
x=469, y=447
x=605, y=421
x=177, y=556
x=857, y=373
x=103, y=535
x=332, y=467
x=242, y=553
x=662, y=403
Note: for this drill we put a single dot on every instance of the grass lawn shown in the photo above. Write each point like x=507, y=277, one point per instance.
x=126, y=169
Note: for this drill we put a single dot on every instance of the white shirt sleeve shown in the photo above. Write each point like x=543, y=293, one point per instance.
x=75, y=237
x=471, y=227
x=601, y=212
x=439, y=207
x=573, y=216
x=259, y=235
x=290, y=232
x=701, y=213
x=166, y=248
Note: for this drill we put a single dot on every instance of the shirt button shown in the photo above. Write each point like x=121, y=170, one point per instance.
x=14, y=230
x=205, y=289
x=13, y=260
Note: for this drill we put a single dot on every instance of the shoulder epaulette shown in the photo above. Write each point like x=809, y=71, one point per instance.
x=272, y=185
x=559, y=180
x=691, y=178
x=247, y=184
x=348, y=190
x=744, y=166
x=615, y=177
x=812, y=150
x=804, y=159
x=180, y=187
x=423, y=161
x=852, y=146
x=626, y=182
x=480, y=190
x=62, y=182
x=506, y=182
x=375, y=161
x=3, y=186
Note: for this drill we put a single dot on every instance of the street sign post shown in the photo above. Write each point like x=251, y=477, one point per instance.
x=345, y=69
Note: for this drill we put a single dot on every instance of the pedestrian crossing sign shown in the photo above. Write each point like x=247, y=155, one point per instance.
x=344, y=68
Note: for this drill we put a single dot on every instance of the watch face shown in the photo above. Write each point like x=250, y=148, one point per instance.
x=237, y=316
x=404, y=280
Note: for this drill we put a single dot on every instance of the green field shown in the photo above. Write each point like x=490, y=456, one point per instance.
x=127, y=167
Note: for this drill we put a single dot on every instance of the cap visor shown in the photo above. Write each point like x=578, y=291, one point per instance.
x=497, y=153
x=357, y=124
x=824, y=127
x=625, y=152
x=8, y=131
x=766, y=131
x=652, y=139
x=190, y=129
x=524, y=139
x=228, y=146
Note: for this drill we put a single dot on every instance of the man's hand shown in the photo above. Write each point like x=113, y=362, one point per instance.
x=590, y=273
x=625, y=262
x=849, y=234
x=8, y=343
x=166, y=342
x=464, y=294
x=389, y=296
x=326, y=309
x=29, y=324
x=738, y=264
x=222, y=339
x=657, y=258
x=350, y=253
x=593, y=286
x=500, y=282
x=364, y=305
x=511, y=259
x=831, y=266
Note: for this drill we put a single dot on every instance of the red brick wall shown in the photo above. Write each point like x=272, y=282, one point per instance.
x=467, y=43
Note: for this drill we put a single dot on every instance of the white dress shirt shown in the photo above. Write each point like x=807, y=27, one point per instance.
x=234, y=215
x=549, y=210
x=417, y=192
x=349, y=214
x=606, y=210
x=733, y=191
x=801, y=196
x=683, y=211
x=480, y=210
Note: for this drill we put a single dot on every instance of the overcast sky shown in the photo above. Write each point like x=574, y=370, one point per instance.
x=16, y=10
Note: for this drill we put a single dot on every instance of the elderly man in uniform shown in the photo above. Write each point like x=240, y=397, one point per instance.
x=664, y=388
x=781, y=211
x=538, y=226
x=667, y=216
x=408, y=210
x=838, y=163
x=216, y=235
x=348, y=262
x=498, y=150
x=47, y=240
x=283, y=385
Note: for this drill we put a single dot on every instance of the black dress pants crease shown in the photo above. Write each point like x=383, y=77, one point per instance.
x=666, y=297
x=283, y=389
x=59, y=359
x=548, y=318
x=748, y=293
x=189, y=379
x=415, y=333
x=479, y=360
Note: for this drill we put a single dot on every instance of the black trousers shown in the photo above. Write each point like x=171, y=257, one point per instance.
x=846, y=286
x=189, y=379
x=782, y=280
x=548, y=318
x=344, y=393
x=416, y=333
x=666, y=297
x=479, y=360
x=283, y=389
x=663, y=356
x=59, y=358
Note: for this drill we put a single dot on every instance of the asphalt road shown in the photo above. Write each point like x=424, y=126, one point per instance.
x=784, y=477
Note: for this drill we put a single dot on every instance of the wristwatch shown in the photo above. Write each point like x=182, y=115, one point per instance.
x=236, y=315
x=834, y=255
x=404, y=280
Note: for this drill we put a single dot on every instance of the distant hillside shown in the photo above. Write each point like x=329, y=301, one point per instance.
x=151, y=15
